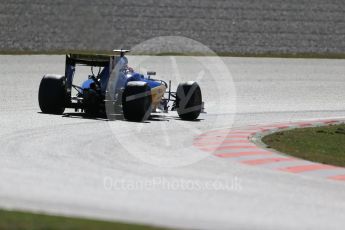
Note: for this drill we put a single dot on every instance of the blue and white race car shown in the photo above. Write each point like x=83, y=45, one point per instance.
x=116, y=86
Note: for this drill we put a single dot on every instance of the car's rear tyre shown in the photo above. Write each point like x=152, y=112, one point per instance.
x=188, y=100
x=136, y=101
x=52, y=94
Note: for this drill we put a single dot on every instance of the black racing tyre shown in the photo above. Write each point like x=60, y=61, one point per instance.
x=136, y=101
x=188, y=100
x=91, y=102
x=52, y=94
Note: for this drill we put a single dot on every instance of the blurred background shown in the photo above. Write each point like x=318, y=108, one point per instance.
x=236, y=27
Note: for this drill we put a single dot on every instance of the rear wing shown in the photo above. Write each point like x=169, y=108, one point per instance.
x=99, y=60
x=88, y=59
x=93, y=59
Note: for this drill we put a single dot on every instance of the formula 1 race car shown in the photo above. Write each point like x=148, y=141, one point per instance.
x=119, y=86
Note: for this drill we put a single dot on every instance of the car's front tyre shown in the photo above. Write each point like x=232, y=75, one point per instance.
x=91, y=102
x=188, y=100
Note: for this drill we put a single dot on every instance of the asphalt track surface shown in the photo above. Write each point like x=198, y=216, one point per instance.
x=72, y=165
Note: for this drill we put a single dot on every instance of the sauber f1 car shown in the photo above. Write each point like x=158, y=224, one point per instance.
x=116, y=87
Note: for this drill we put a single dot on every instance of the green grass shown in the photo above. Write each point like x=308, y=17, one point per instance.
x=320, y=144
x=14, y=220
